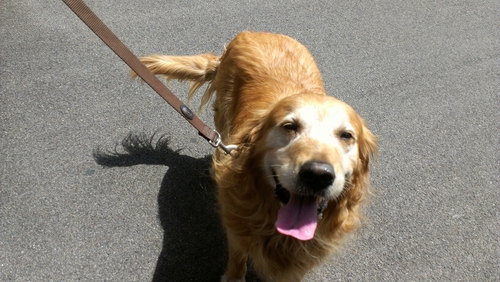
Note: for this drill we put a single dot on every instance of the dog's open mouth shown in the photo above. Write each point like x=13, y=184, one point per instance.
x=298, y=217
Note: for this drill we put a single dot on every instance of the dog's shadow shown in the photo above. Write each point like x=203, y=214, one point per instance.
x=194, y=245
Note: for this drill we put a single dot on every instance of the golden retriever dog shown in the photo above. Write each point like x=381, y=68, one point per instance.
x=301, y=170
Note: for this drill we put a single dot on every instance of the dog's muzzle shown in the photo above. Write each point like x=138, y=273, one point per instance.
x=298, y=216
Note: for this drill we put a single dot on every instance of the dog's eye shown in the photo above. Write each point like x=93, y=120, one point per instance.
x=290, y=126
x=346, y=135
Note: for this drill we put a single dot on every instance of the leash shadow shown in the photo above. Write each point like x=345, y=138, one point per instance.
x=194, y=244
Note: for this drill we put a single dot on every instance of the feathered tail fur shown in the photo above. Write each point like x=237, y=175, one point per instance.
x=197, y=69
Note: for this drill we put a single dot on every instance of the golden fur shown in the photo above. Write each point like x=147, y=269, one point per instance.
x=259, y=81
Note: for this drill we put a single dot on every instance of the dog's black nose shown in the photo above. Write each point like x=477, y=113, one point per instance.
x=317, y=175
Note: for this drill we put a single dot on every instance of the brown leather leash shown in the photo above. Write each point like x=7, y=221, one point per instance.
x=115, y=44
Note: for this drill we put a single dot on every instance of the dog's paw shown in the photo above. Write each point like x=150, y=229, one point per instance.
x=225, y=279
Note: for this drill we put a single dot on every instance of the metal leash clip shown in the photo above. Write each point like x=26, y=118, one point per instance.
x=217, y=143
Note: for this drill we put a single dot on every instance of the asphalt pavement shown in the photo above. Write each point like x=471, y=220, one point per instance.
x=102, y=181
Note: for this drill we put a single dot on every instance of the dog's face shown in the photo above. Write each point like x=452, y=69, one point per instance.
x=314, y=145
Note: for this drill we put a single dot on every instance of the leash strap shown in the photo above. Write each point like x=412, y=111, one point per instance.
x=114, y=43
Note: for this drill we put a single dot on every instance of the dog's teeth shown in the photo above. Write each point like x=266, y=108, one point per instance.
x=321, y=207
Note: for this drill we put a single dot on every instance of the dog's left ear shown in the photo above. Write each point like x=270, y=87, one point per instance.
x=367, y=146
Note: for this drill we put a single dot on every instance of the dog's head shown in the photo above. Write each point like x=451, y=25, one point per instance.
x=313, y=147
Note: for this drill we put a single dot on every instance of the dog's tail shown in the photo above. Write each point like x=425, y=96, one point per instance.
x=197, y=69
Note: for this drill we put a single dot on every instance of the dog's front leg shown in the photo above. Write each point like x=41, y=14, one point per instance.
x=237, y=264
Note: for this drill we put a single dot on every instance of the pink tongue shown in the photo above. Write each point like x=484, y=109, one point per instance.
x=298, y=218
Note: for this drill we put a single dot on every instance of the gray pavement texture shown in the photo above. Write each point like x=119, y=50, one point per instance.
x=102, y=181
